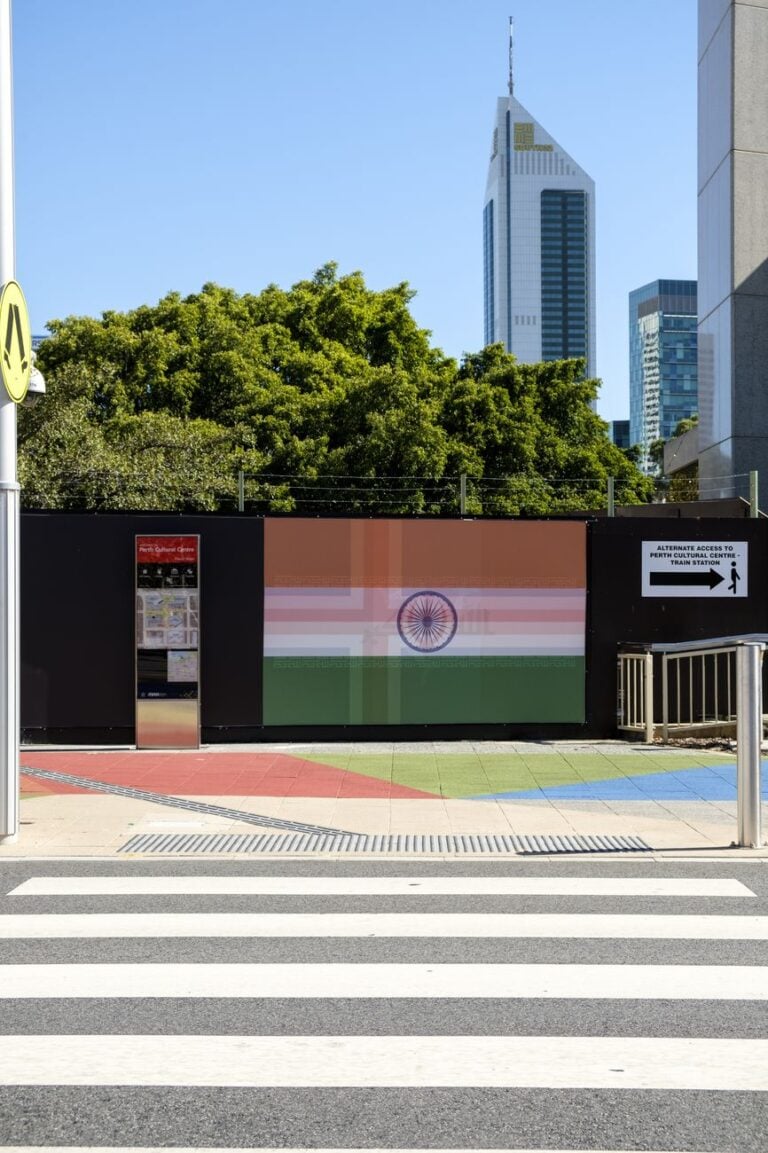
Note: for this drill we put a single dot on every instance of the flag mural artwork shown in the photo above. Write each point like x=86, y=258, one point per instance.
x=416, y=622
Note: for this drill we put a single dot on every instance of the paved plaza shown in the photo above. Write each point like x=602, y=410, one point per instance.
x=92, y=801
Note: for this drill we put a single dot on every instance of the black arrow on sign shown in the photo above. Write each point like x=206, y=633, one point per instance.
x=14, y=320
x=697, y=577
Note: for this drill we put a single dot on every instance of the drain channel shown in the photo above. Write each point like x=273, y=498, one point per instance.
x=334, y=842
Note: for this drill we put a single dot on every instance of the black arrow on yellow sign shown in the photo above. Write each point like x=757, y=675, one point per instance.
x=14, y=323
x=691, y=578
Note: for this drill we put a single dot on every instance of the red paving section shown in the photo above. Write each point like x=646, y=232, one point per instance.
x=210, y=775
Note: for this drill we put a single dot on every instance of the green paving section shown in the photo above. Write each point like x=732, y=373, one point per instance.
x=472, y=774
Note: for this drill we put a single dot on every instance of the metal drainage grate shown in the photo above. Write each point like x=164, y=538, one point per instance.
x=581, y=844
x=367, y=843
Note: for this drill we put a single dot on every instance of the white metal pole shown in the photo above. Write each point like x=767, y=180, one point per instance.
x=649, y=702
x=749, y=735
x=9, y=489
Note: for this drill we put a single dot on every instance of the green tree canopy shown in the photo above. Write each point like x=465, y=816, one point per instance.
x=327, y=396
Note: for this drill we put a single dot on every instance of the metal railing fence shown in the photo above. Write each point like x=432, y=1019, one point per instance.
x=709, y=685
x=205, y=489
x=190, y=483
x=635, y=685
x=698, y=690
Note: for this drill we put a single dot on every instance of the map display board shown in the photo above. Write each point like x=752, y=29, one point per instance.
x=167, y=641
x=418, y=622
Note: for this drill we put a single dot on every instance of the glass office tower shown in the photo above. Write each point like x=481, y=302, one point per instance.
x=538, y=244
x=663, y=371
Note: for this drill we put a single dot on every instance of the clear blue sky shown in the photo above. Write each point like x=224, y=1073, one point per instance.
x=161, y=144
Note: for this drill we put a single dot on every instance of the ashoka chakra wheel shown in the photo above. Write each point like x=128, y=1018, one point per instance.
x=427, y=621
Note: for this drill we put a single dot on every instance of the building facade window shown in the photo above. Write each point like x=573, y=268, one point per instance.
x=564, y=283
x=489, y=274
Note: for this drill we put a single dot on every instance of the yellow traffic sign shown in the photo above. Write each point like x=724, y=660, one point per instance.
x=15, y=342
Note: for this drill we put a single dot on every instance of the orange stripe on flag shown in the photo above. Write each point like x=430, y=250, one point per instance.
x=424, y=554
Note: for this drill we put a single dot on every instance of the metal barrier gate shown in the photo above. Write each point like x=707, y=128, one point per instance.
x=713, y=685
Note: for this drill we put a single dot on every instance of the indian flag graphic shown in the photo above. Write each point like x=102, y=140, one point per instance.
x=416, y=622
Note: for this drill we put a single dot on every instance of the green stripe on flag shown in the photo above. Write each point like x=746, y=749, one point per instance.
x=422, y=690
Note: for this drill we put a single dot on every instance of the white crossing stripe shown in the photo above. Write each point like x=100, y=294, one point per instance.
x=651, y=982
x=381, y=886
x=44, y=926
x=669, y=1063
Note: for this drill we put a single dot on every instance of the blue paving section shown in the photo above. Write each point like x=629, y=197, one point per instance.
x=714, y=783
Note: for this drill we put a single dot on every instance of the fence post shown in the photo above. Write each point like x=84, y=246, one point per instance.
x=241, y=491
x=463, y=494
x=611, y=498
x=749, y=735
x=753, y=494
x=649, y=698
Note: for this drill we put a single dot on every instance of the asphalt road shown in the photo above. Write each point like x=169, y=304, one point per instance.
x=586, y=1071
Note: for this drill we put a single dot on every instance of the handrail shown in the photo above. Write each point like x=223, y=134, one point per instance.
x=693, y=646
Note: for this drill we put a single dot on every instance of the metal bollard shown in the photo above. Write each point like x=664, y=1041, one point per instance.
x=749, y=736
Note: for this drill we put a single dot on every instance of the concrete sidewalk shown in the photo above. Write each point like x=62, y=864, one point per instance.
x=95, y=800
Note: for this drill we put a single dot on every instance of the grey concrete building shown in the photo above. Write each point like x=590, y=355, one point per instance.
x=733, y=244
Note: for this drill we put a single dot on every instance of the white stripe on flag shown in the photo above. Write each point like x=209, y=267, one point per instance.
x=285, y=599
x=363, y=622
x=386, y=642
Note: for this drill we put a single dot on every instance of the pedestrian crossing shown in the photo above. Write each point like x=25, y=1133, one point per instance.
x=169, y=886
x=338, y=1008
x=632, y=926
x=303, y=981
x=382, y=1062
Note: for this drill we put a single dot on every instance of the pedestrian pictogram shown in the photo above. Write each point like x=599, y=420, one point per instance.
x=15, y=342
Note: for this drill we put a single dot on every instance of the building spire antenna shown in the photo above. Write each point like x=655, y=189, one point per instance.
x=511, y=55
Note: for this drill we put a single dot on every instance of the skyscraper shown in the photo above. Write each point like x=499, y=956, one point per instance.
x=538, y=242
x=663, y=371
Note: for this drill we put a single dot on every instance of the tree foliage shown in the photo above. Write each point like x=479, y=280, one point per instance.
x=682, y=484
x=327, y=397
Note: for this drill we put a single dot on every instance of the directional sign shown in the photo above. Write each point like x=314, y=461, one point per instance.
x=15, y=342
x=688, y=568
